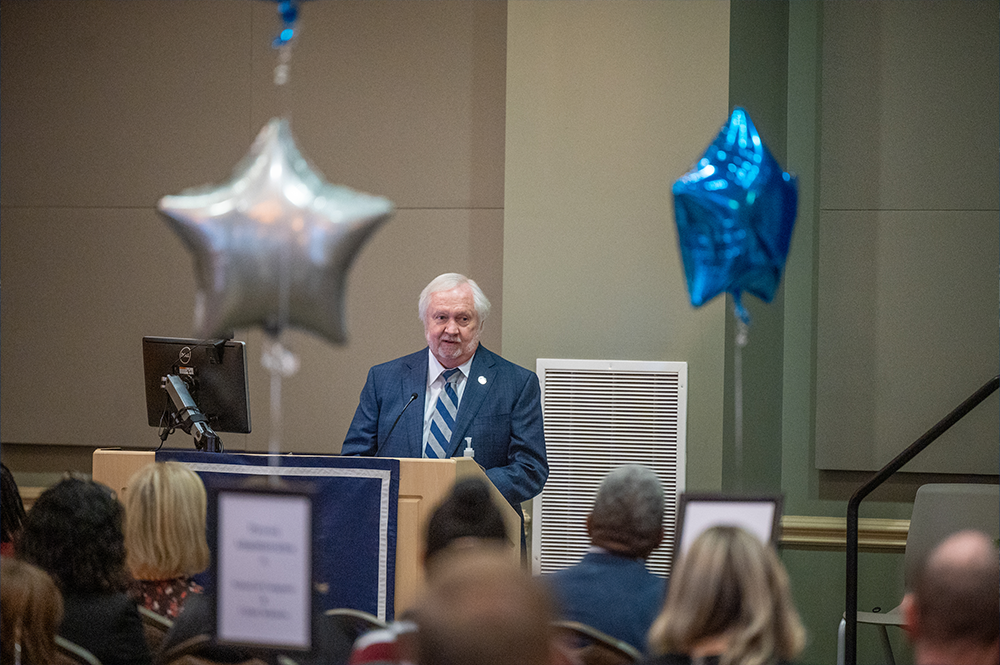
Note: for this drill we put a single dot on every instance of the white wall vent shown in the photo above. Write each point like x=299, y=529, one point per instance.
x=600, y=414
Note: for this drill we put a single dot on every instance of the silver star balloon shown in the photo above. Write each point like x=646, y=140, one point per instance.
x=272, y=247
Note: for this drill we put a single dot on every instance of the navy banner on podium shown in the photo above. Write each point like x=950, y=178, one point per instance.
x=355, y=516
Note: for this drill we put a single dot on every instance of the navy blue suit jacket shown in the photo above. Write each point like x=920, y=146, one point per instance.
x=500, y=409
x=614, y=594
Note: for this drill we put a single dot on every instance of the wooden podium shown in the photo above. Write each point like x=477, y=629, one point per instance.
x=423, y=484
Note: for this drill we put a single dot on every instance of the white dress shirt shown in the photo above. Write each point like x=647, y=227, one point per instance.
x=435, y=384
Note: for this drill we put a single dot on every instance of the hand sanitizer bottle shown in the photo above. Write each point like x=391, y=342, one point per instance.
x=469, y=452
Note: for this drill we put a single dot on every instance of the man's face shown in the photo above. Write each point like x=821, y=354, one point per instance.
x=452, y=326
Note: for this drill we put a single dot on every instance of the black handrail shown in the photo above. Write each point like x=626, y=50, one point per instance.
x=851, y=600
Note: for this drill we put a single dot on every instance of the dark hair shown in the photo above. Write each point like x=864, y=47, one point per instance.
x=467, y=512
x=74, y=533
x=11, y=506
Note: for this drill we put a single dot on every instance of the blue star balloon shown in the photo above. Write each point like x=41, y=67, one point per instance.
x=735, y=210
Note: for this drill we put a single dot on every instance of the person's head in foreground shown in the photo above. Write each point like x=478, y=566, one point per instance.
x=481, y=608
x=467, y=516
x=627, y=517
x=952, y=613
x=165, y=522
x=32, y=611
x=729, y=597
x=74, y=533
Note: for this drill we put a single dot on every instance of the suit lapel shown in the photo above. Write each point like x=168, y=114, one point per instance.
x=414, y=380
x=477, y=386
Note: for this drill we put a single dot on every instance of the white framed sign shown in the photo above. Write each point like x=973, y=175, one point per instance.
x=760, y=515
x=264, y=567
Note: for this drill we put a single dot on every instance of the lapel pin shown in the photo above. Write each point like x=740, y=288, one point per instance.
x=482, y=380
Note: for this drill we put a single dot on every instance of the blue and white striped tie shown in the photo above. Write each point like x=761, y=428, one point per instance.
x=443, y=418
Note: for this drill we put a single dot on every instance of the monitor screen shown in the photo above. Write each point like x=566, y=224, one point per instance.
x=215, y=372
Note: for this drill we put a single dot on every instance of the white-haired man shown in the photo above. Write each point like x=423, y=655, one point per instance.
x=461, y=390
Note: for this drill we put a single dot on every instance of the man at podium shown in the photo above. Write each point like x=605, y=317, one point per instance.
x=465, y=399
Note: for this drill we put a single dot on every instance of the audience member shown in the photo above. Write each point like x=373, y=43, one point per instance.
x=32, y=610
x=466, y=518
x=12, y=511
x=74, y=533
x=952, y=613
x=729, y=604
x=611, y=589
x=481, y=608
x=165, y=534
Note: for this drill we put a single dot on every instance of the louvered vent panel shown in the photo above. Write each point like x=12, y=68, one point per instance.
x=600, y=414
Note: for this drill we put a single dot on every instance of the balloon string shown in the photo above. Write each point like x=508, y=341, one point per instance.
x=274, y=444
x=288, y=11
x=281, y=363
x=742, y=336
x=283, y=68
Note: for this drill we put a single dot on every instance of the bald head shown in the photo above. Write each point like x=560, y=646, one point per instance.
x=956, y=594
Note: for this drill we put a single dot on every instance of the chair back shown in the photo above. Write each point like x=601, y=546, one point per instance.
x=586, y=645
x=155, y=626
x=941, y=509
x=71, y=653
x=354, y=623
x=178, y=652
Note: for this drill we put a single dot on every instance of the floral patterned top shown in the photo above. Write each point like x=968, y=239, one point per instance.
x=166, y=597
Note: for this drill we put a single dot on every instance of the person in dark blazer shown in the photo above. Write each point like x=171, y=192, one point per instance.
x=415, y=407
x=74, y=533
x=611, y=589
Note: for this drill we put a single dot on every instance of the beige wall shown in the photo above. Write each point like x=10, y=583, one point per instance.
x=107, y=106
x=531, y=145
x=607, y=105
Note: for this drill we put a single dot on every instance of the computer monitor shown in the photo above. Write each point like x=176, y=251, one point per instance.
x=214, y=372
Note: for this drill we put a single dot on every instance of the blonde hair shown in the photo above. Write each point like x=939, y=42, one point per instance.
x=165, y=507
x=730, y=584
x=32, y=612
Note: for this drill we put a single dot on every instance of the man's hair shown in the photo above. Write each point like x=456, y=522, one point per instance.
x=627, y=517
x=10, y=504
x=482, y=609
x=32, y=612
x=729, y=582
x=467, y=512
x=165, y=522
x=74, y=533
x=956, y=591
x=447, y=282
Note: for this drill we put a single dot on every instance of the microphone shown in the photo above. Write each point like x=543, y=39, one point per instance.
x=386, y=439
